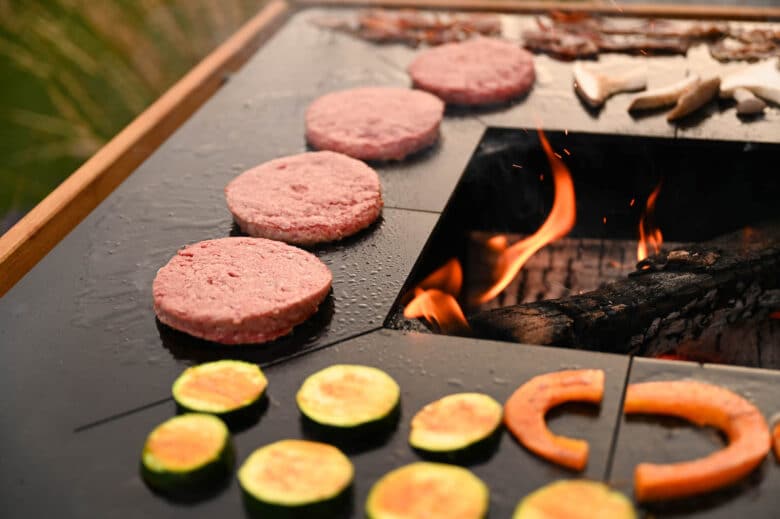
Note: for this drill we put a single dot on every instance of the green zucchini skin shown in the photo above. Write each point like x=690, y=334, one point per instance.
x=600, y=501
x=269, y=493
x=470, y=493
x=478, y=452
x=338, y=506
x=454, y=429
x=338, y=430
x=184, y=483
x=239, y=419
x=354, y=439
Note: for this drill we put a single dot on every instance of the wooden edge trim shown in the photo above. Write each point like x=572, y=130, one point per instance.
x=599, y=7
x=56, y=215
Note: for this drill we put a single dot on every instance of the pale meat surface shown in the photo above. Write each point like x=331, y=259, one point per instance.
x=378, y=123
x=306, y=199
x=239, y=290
x=475, y=72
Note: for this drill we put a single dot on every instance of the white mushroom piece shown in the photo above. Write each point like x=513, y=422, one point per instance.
x=747, y=102
x=595, y=84
x=664, y=96
x=761, y=80
x=695, y=98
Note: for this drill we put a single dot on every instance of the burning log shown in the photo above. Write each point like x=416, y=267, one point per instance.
x=563, y=267
x=672, y=295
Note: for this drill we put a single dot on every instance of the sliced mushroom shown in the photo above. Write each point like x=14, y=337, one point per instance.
x=664, y=96
x=596, y=85
x=747, y=102
x=763, y=79
x=694, y=99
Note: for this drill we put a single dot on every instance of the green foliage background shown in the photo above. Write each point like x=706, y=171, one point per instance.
x=75, y=72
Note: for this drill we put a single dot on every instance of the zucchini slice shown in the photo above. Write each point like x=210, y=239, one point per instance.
x=350, y=398
x=575, y=499
x=296, y=478
x=187, y=452
x=221, y=388
x=456, y=424
x=430, y=490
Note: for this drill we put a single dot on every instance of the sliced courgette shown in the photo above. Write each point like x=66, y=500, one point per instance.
x=187, y=453
x=430, y=490
x=575, y=499
x=350, y=399
x=296, y=478
x=230, y=389
x=457, y=426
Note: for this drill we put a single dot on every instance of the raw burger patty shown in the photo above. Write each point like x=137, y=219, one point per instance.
x=474, y=72
x=374, y=123
x=306, y=199
x=239, y=290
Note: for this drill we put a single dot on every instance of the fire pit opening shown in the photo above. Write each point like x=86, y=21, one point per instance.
x=658, y=247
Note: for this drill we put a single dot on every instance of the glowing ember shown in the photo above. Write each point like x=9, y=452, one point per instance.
x=497, y=243
x=558, y=224
x=435, y=299
x=649, y=234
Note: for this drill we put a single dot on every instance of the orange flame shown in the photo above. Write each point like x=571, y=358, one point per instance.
x=435, y=299
x=649, y=233
x=448, y=278
x=558, y=224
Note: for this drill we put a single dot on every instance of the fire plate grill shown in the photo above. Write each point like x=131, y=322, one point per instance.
x=711, y=196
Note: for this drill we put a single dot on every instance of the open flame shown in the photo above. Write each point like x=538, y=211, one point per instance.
x=649, y=234
x=558, y=224
x=435, y=299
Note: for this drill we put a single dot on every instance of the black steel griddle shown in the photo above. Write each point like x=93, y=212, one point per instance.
x=85, y=369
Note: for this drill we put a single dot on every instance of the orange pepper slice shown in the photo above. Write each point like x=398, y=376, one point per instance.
x=524, y=413
x=705, y=405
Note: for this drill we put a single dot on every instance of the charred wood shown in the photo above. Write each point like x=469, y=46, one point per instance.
x=562, y=268
x=673, y=297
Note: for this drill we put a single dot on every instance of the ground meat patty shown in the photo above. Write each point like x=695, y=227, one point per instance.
x=474, y=72
x=374, y=123
x=306, y=199
x=239, y=290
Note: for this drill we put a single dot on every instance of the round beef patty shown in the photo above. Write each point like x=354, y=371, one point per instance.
x=474, y=72
x=374, y=123
x=239, y=290
x=306, y=199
